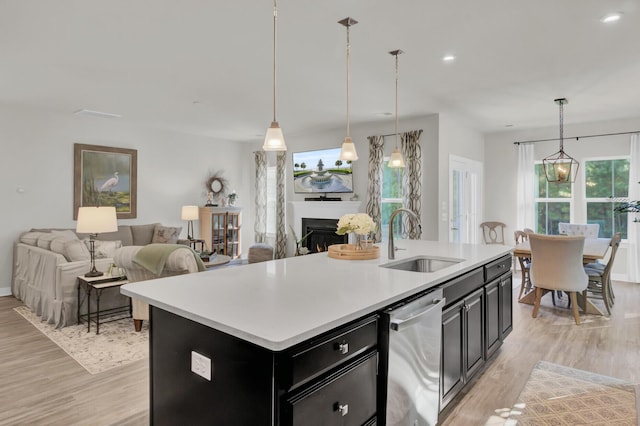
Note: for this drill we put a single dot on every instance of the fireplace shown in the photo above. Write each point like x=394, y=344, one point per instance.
x=323, y=235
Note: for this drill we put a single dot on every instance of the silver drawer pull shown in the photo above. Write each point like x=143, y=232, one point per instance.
x=343, y=409
x=343, y=348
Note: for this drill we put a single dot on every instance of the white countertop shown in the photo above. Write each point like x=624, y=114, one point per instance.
x=280, y=303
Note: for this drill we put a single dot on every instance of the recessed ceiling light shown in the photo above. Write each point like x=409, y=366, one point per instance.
x=97, y=113
x=611, y=17
x=449, y=58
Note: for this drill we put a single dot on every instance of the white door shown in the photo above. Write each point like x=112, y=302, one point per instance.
x=465, y=195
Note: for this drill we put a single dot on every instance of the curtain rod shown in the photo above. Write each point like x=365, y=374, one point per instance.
x=393, y=134
x=577, y=137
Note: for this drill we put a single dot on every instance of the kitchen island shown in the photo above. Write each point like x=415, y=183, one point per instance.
x=269, y=334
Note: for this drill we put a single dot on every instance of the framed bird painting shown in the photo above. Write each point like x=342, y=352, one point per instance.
x=105, y=176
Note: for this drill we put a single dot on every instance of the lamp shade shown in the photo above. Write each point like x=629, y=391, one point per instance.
x=348, y=151
x=274, y=140
x=396, y=160
x=95, y=220
x=190, y=213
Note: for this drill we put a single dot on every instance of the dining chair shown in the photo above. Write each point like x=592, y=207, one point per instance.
x=493, y=232
x=588, y=230
x=556, y=264
x=525, y=263
x=600, y=276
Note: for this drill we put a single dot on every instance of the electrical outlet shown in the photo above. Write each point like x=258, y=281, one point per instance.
x=201, y=365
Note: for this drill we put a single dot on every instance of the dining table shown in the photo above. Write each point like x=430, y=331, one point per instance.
x=594, y=249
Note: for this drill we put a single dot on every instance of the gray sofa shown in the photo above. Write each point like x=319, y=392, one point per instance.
x=47, y=262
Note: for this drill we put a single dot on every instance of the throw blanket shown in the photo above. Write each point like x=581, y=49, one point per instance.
x=153, y=257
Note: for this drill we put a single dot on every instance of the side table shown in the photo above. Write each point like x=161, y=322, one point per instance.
x=217, y=260
x=99, y=284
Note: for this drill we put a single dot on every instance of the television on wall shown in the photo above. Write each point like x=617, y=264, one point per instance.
x=321, y=171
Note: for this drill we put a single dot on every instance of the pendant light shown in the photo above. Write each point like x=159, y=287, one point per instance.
x=274, y=140
x=396, y=161
x=348, y=151
x=560, y=167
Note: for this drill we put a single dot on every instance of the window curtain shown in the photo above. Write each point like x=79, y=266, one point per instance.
x=260, y=224
x=633, y=228
x=525, y=187
x=411, y=182
x=374, y=190
x=281, y=234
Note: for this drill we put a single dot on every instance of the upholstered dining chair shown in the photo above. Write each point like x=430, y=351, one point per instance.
x=556, y=264
x=600, y=276
x=493, y=232
x=588, y=230
x=525, y=263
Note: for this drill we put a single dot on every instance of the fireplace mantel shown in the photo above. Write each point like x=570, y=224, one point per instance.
x=319, y=210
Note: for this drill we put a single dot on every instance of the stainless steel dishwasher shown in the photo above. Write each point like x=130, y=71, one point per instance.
x=413, y=381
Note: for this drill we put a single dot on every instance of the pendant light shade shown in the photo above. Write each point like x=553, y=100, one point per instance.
x=396, y=161
x=560, y=167
x=274, y=140
x=348, y=151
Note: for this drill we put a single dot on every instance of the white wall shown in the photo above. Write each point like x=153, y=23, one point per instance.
x=501, y=164
x=37, y=157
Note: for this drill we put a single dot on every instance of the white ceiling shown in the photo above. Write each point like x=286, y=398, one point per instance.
x=205, y=67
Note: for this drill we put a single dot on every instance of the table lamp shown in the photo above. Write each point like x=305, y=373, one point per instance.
x=92, y=221
x=190, y=213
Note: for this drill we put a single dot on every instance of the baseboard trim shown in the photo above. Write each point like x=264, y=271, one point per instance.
x=5, y=291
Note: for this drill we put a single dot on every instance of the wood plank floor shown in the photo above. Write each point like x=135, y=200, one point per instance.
x=41, y=385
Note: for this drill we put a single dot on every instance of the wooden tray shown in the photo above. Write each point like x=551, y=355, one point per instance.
x=349, y=252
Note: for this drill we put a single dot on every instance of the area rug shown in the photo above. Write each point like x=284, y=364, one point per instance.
x=117, y=344
x=558, y=395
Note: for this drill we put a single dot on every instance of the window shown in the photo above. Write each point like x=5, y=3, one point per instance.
x=553, y=203
x=391, y=198
x=605, y=181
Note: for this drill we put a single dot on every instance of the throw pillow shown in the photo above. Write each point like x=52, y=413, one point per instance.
x=166, y=234
x=30, y=238
x=104, y=249
x=76, y=250
x=44, y=241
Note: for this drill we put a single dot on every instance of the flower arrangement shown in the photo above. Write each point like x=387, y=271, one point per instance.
x=358, y=223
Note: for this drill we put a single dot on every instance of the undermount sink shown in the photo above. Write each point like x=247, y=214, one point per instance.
x=422, y=264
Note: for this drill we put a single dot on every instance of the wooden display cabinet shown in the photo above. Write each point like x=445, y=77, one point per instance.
x=220, y=229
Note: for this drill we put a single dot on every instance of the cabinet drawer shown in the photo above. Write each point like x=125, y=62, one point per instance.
x=328, y=352
x=497, y=268
x=457, y=288
x=345, y=398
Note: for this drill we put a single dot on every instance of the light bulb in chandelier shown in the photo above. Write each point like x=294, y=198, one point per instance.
x=274, y=139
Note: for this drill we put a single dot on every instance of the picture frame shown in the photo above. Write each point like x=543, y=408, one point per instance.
x=105, y=176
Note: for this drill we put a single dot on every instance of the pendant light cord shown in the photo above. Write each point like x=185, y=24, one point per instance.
x=348, y=76
x=561, y=103
x=396, y=101
x=275, y=39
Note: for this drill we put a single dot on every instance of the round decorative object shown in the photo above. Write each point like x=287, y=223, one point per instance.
x=216, y=184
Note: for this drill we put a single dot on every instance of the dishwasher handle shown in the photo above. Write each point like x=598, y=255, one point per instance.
x=399, y=324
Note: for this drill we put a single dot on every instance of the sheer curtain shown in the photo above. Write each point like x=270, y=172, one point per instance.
x=525, y=187
x=633, y=228
x=260, y=203
x=281, y=233
x=374, y=190
x=411, y=182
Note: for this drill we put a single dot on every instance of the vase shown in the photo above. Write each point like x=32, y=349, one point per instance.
x=361, y=241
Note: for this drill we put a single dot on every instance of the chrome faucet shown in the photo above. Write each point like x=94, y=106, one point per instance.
x=392, y=249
